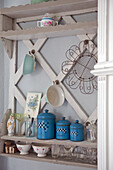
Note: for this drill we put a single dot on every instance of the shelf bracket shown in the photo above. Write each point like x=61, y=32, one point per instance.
x=7, y=24
x=8, y=45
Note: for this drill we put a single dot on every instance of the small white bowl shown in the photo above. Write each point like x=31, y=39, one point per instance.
x=23, y=148
x=41, y=150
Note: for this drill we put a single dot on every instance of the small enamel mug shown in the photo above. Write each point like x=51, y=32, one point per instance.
x=46, y=21
x=29, y=64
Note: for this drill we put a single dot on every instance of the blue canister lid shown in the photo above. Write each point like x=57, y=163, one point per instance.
x=63, y=122
x=76, y=125
x=46, y=115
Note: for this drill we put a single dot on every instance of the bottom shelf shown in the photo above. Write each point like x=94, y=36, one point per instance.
x=49, y=159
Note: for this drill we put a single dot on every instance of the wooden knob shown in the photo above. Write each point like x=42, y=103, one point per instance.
x=33, y=51
x=57, y=82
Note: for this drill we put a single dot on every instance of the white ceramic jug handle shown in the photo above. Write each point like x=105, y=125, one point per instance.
x=38, y=23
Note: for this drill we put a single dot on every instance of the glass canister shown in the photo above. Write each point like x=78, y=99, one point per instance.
x=30, y=127
x=46, y=125
x=92, y=132
x=62, y=129
x=76, y=131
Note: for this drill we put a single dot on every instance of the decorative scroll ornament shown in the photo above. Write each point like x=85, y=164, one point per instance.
x=81, y=59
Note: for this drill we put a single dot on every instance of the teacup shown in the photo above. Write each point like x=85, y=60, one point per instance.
x=47, y=21
x=29, y=64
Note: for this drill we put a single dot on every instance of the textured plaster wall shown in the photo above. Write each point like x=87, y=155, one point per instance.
x=54, y=52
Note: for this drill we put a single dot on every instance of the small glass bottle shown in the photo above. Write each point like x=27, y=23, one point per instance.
x=55, y=151
x=92, y=132
x=30, y=127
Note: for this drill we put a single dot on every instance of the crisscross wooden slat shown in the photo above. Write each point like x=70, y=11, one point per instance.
x=53, y=77
x=11, y=80
x=70, y=20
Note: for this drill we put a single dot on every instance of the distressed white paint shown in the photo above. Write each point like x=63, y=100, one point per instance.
x=102, y=30
x=110, y=122
x=104, y=70
x=11, y=83
x=102, y=123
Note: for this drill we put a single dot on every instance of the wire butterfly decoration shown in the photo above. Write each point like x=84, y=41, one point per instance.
x=81, y=59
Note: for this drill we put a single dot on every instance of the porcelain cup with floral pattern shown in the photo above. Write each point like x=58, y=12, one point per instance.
x=41, y=150
x=23, y=148
x=46, y=21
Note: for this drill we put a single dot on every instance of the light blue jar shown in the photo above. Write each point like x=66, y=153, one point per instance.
x=76, y=131
x=46, y=125
x=62, y=129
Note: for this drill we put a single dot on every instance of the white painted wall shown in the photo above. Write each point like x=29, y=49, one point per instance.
x=54, y=51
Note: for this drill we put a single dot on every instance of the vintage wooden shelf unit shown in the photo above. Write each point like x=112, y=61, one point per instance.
x=11, y=32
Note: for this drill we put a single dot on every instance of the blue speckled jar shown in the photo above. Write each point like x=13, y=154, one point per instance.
x=76, y=131
x=46, y=125
x=63, y=129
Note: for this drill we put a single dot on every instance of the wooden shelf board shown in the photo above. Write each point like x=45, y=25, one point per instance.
x=67, y=13
x=49, y=159
x=52, y=141
x=47, y=7
x=48, y=32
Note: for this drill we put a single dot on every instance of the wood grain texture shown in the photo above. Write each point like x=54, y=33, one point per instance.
x=52, y=141
x=47, y=32
x=49, y=159
x=6, y=23
x=18, y=75
x=59, y=14
x=93, y=116
x=11, y=101
x=19, y=97
x=48, y=7
x=8, y=46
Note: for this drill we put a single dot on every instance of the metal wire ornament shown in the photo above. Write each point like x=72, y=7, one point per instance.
x=81, y=59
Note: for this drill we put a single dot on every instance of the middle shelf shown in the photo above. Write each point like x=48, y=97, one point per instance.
x=48, y=32
x=52, y=141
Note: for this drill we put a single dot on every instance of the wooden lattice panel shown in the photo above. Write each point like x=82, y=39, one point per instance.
x=15, y=76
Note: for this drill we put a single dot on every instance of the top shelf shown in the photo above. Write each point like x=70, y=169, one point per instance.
x=59, y=6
